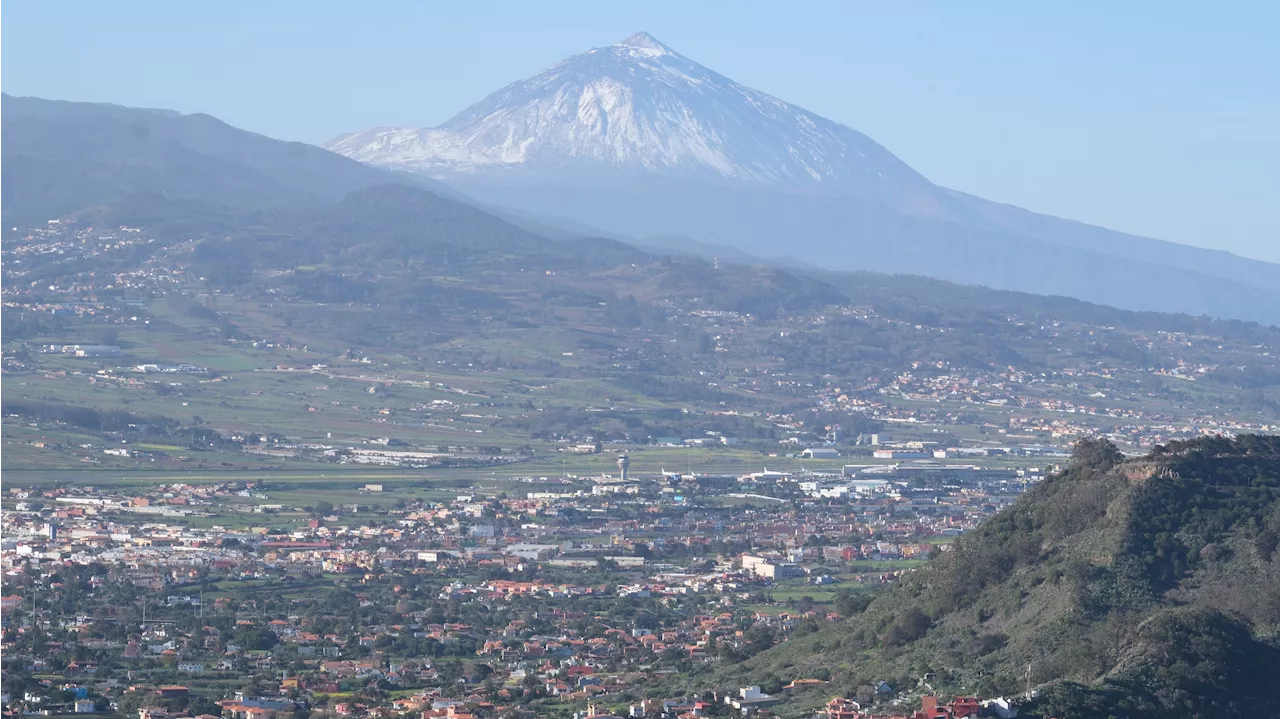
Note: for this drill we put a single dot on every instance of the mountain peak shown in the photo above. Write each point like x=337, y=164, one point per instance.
x=639, y=108
x=642, y=43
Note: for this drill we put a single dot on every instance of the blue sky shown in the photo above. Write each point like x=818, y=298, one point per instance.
x=1159, y=118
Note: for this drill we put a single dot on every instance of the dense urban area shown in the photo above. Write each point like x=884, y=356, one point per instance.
x=550, y=593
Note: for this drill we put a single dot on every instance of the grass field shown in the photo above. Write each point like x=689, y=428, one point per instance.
x=817, y=594
x=314, y=396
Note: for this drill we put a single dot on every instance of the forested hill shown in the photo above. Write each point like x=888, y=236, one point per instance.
x=1140, y=588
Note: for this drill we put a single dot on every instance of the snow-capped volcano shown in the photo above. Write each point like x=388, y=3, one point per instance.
x=639, y=141
x=638, y=107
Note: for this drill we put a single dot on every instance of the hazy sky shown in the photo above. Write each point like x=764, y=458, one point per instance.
x=1159, y=118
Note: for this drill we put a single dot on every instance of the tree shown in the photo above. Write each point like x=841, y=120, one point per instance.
x=323, y=509
x=849, y=602
x=256, y=639
x=771, y=684
x=132, y=701
x=910, y=626
x=1096, y=454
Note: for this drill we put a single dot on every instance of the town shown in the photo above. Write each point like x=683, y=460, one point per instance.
x=584, y=596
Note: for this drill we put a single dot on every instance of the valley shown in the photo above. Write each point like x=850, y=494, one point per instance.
x=525, y=346
x=629, y=390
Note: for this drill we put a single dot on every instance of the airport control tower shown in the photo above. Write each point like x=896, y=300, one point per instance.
x=624, y=464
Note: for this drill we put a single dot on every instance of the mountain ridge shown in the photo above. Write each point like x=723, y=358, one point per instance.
x=61, y=158
x=638, y=140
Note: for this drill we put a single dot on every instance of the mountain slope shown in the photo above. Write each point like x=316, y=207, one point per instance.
x=639, y=106
x=639, y=140
x=63, y=158
x=843, y=233
x=1143, y=588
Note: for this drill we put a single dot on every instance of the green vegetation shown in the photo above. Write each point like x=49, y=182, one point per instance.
x=474, y=332
x=1140, y=588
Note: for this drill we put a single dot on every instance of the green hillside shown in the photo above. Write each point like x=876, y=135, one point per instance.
x=1141, y=588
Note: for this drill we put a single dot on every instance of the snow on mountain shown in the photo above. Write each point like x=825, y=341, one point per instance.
x=638, y=140
x=638, y=107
